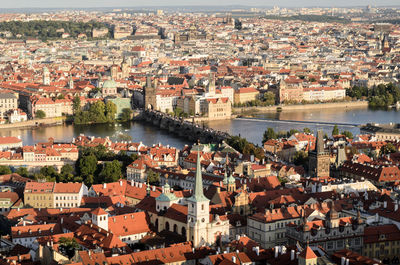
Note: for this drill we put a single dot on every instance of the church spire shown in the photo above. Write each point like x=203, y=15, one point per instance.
x=198, y=194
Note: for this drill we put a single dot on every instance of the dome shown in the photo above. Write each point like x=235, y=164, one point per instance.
x=166, y=197
x=110, y=84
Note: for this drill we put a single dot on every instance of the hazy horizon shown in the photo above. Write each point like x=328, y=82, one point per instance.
x=21, y=4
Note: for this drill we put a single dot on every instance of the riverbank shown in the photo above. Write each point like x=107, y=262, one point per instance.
x=34, y=123
x=287, y=108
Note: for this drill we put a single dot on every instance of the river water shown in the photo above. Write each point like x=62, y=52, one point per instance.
x=251, y=129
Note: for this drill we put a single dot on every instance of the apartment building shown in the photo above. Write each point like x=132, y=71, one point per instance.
x=246, y=94
x=54, y=195
x=8, y=101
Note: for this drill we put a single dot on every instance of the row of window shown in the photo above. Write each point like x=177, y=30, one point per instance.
x=66, y=204
x=66, y=198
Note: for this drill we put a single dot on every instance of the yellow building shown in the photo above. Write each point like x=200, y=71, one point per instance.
x=219, y=108
x=245, y=94
x=39, y=195
x=382, y=242
x=54, y=195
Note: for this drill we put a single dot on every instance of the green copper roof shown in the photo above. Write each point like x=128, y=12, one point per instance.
x=225, y=181
x=166, y=197
x=231, y=180
x=198, y=195
x=110, y=84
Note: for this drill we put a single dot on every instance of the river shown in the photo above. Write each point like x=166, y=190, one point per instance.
x=251, y=129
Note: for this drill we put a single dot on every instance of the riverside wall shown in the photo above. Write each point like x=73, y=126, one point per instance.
x=341, y=105
x=34, y=123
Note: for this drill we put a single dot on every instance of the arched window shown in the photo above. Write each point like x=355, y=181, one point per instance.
x=175, y=228
x=167, y=226
x=183, y=231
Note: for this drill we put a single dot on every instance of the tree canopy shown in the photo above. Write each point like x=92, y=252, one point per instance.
x=45, y=30
x=40, y=114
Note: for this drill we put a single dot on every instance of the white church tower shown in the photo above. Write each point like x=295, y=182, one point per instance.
x=46, y=76
x=198, y=211
x=100, y=218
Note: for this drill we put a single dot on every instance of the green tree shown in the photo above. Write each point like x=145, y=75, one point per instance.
x=111, y=171
x=5, y=170
x=269, y=98
x=87, y=165
x=67, y=174
x=178, y=112
x=50, y=173
x=237, y=142
x=110, y=111
x=76, y=104
x=68, y=246
x=307, y=130
x=152, y=177
x=269, y=134
x=61, y=96
x=291, y=132
x=126, y=115
x=89, y=180
x=97, y=112
x=335, y=130
x=348, y=134
x=40, y=114
x=300, y=158
x=22, y=171
x=388, y=149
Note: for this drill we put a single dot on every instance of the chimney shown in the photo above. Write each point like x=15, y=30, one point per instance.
x=237, y=237
x=62, y=220
x=342, y=261
x=257, y=248
x=276, y=251
x=233, y=259
x=120, y=183
x=292, y=254
x=104, y=185
x=385, y=204
x=347, y=261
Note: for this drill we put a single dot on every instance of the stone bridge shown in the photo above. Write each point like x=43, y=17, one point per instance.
x=183, y=128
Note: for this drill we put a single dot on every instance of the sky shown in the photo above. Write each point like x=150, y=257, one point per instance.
x=133, y=3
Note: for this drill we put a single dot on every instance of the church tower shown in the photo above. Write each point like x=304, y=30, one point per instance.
x=100, y=218
x=211, y=85
x=198, y=211
x=385, y=44
x=319, y=159
x=71, y=83
x=46, y=76
x=149, y=94
x=125, y=67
